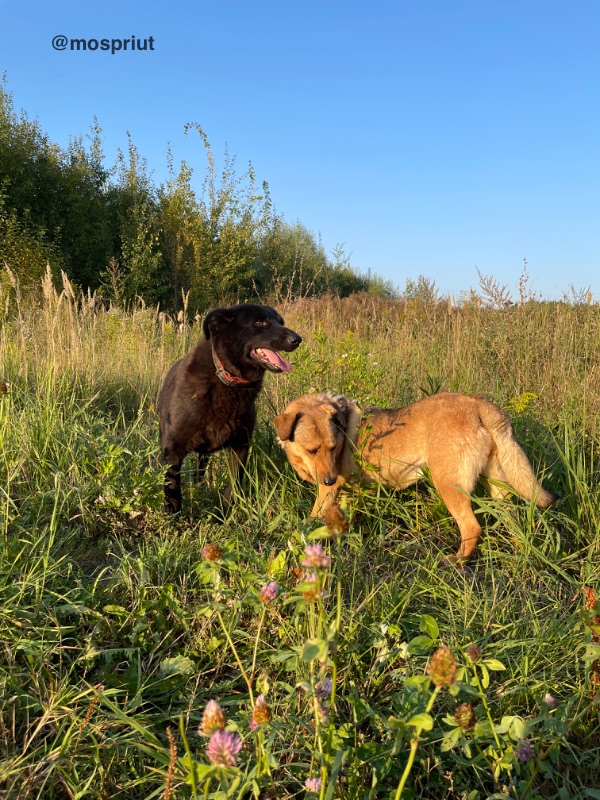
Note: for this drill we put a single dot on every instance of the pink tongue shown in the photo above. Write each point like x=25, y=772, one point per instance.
x=274, y=358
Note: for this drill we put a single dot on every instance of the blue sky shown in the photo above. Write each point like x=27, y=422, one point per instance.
x=429, y=137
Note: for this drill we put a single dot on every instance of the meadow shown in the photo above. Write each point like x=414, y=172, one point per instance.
x=347, y=660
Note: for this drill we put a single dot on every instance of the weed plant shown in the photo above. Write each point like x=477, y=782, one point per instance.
x=252, y=652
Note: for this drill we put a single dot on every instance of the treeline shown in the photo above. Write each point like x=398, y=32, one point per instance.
x=112, y=229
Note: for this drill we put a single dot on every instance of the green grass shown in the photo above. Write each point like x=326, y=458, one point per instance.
x=116, y=631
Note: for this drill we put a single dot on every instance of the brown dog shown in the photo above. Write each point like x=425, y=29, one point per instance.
x=330, y=440
x=207, y=400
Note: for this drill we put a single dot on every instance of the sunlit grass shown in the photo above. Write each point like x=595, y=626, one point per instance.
x=115, y=627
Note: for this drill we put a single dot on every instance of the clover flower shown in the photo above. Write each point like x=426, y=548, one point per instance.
x=464, y=716
x=261, y=713
x=223, y=748
x=212, y=552
x=311, y=592
x=336, y=521
x=313, y=784
x=315, y=557
x=473, y=653
x=524, y=750
x=322, y=713
x=590, y=598
x=323, y=689
x=442, y=667
x=550, y=700
x=213, y=719
x=268, y=592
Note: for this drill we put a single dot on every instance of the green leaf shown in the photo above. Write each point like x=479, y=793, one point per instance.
x=519, y=729
x=119, y=611
x=278, y=564
x=485, y=675
x=450, y=740
x=429, y=626
x=314, y=649
x=424, y=721
x=505, y=724
x=493, y=664
x=419, y=645
x=179, y=665
x=483, y=729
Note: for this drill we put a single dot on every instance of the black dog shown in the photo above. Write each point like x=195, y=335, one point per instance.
x=207, y=401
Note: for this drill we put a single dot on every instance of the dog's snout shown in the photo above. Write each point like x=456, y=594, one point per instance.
x=294, y=339
x=329, y=480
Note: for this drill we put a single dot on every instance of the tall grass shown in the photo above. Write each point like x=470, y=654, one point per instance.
x=119, y=625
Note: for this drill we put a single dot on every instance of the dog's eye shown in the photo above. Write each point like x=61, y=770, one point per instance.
x=313, y=450
x=261, y=323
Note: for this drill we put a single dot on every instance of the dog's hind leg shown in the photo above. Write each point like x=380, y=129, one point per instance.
x=454, y=491
x=493, y=472
x=173, y=488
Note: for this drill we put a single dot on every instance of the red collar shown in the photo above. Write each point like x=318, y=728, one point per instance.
x=225, y=376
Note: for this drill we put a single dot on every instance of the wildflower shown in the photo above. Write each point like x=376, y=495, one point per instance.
x=473, y=653
x=212, y=552
x=313, y=784
x=322, y=713
x=550, y=700
x=315, y=557
x=524, y=750
x=268, y=592
x=310, y=592
x=595, y=671
x=213, y=719
x=336, y=521
x=223, y=748
x=590, y=598
x=260, y=714
x=323, y=689
x=464, y=716
x=442, y=667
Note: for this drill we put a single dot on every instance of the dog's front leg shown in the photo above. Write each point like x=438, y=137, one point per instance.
x=173, y=488
x=236, y=461
x=327, y=496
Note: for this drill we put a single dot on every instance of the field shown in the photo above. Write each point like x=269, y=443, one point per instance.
x=378, y=672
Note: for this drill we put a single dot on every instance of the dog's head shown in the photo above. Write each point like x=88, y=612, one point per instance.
x=312, y=432
x=246, y=338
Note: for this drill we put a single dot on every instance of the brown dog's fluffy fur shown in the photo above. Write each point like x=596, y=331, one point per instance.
x=207, y=400
x=330, y=440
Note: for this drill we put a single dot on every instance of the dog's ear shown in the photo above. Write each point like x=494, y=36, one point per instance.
x=285, y=424
x=340, y=418
x=215, y=320
x=336, y=411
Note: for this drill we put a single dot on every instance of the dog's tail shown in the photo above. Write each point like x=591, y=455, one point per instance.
x=508, y=463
